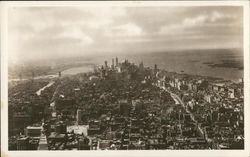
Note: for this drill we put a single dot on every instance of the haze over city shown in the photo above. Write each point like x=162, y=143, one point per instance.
x=126, y=78
x=52, y=32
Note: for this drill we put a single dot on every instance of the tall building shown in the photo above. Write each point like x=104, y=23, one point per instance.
x=116, y=62
x=155, y=69
x=113, y=63
x=141, y=66
x=102, y=72
x=106, y=64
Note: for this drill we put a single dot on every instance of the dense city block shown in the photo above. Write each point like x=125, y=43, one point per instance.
x=124, y=106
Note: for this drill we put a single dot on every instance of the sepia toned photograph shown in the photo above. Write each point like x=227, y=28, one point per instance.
x=125, y=77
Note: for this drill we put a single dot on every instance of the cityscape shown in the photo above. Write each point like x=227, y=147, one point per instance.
x=124, y=106
x=125, y=76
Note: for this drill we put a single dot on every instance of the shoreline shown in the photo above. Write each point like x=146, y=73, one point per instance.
x=91, y=69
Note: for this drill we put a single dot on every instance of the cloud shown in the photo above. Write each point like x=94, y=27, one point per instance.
x=50, y=32
x=129, y=29
x=209, y=27
x=75, y=33
x=216, y=15
x=195, y=21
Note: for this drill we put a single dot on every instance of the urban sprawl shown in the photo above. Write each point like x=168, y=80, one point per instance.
x=124, y=106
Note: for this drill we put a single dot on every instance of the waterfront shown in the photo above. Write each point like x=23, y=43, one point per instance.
x=77, y=70
x=193, y=62
x=226, y=64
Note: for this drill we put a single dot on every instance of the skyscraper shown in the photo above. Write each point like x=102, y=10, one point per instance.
x=116, y=61
x=113, y=63
x=106, y=64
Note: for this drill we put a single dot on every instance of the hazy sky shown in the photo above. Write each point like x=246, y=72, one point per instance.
x=47, y=32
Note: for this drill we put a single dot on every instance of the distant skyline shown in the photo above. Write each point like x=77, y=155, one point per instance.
x=49, y=32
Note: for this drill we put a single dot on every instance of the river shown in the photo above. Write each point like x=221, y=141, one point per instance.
x=77, y=70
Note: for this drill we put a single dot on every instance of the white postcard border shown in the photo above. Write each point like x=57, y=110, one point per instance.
x=145, y=153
